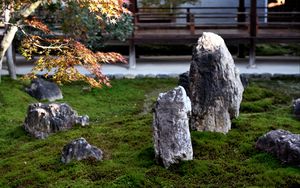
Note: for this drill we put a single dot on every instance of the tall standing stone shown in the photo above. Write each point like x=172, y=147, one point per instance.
x=172, y=140
x=215, y=86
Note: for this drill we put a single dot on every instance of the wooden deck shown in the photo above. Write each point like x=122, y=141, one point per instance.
x=238, y=25
x=230, y=35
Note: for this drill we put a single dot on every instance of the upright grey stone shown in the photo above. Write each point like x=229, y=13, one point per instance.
x=296, y=108
x=282, y=144
x=44, y=119
x=80, y=149
x=215, y=86
x=172, y=141
x=44, y=90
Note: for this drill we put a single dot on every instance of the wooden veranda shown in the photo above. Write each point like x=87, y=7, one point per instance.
x=240, y=25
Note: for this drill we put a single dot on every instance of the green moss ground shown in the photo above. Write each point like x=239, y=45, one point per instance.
x=121, y=121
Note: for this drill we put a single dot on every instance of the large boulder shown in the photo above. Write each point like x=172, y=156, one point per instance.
x=215, y=86
x=44, y=119
x=80, y=149
x=296, y=108
x=172, y=141
x=282, y=144
x=44, y=90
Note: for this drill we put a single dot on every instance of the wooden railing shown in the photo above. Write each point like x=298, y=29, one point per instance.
x=214, y=17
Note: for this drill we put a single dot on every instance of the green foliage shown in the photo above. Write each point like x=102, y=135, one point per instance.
x=278, y=49
x=121, y=127
x=79, y=23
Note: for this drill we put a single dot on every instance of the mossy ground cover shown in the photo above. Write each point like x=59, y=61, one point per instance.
x=120, y=125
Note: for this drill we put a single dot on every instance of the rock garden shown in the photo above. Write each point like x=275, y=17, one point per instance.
x=210, y=127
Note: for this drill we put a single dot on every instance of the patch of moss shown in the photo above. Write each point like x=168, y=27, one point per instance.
x=122, y=129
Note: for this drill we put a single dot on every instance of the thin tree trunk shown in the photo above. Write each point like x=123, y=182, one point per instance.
x=9, y=35
x=6, y=42
x=9, y=53
x=11, y=63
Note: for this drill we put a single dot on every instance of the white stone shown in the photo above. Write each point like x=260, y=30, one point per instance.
x=172, y=141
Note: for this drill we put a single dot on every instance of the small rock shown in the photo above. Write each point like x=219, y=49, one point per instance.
x=140, y=76
x=245, y=80
x=282, y=144
x=173, y=75
x=44, y=90
x=118, y=76
x=150, y=76
x=80, y=149
x=184, y=81
x=296, y=108
x=86, y=89
x=45, y=119
x=162, y=76
x=129, y=76
x=172, y=140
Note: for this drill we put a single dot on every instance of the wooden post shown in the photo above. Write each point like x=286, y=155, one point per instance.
x=253, y=33
x=188, y=13
x=132, y=54
x=192, y=24
x=241, y=18
x=133, y=6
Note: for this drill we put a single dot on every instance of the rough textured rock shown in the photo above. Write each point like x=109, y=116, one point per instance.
x=283, y=144
x=215, y=86
x=184, y=82
x=44, y=90
x=44, y=119
x=172, y=141
x=296, y=108
x=80, y=149
x=245, y=80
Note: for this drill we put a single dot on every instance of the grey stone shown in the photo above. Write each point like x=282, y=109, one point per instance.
x=44, y=90
x=282, y=144
x=118, y=76
x=245, y=80
x=215, y=86
x=129, y=76
x=150, y=76
x=172, y=141
x=184, y=82
x=140, y=76
x=173, y=75
x=296, y=108
x=162, y=76
x=45, y=119
x=80, y=149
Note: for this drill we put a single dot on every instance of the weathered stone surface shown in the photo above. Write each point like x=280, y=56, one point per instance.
x=283, y=144
x=44, y=90
x=296, y=108
x=245, y=80
x=80, y=149
x=172, y=141
x=44, y=119
x=215, y=86
x=184, y=82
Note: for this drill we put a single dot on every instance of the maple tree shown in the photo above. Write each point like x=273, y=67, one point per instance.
x=62, y=55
